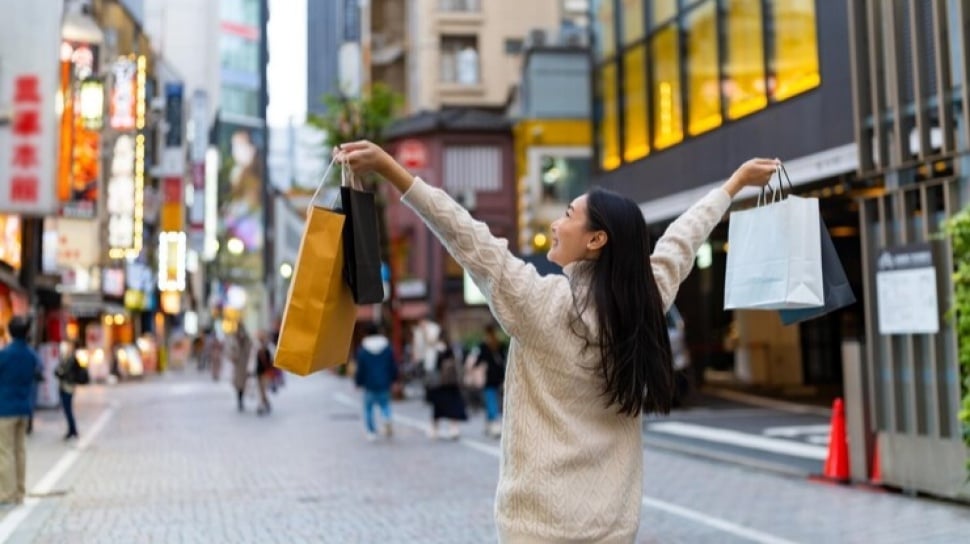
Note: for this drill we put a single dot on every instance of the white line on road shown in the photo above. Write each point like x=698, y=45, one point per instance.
x=794, y=431
x=717, y=523
x=657, y=504
x=736, y=438
x=46, y=484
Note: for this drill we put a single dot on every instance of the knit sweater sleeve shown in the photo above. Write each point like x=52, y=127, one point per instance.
x=673, y=256
x=511, y=286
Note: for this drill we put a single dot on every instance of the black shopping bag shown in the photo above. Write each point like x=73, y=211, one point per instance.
x=362, y=250
x=837, y=291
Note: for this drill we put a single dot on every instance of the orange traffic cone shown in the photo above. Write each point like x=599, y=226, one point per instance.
x=876, y=473
x=837, y=462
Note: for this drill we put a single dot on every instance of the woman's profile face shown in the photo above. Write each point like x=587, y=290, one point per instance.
x=571, y=235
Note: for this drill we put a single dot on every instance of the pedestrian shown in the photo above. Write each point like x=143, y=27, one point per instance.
x=264, y=371
x=69, y=375
x=375, y=374
x=486, y=369
x=441, y=385
x=240, y=353
x=589, y=351
x=19, y=367
x=213, y=353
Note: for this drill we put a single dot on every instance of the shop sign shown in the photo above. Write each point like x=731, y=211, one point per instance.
x=171, y=261
x=126, y=196
x=906, y=290
x=113, y=282
x=79, y=160
x=413, y=154
x=124, y=95
x=10, y=239
x=30, y=42
x=77, y=242
x=173, y=204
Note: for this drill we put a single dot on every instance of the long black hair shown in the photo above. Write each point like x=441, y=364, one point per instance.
x=637, y=365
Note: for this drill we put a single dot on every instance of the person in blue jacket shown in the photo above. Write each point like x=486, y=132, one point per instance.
x=376, y=372
x=19, y=368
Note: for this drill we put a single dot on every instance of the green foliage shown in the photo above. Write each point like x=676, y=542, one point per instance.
x=366, y=118
x=958, y=229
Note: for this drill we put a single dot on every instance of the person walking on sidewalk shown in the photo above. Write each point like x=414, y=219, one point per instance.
x=375, y=374
x=441, y=385
x=264, y=371
x=489, y=359
x=19, y=367
x=240, y=352
x=69, y=375
x=589, y=352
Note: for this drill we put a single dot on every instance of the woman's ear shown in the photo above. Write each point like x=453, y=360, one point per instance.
x=598, y=240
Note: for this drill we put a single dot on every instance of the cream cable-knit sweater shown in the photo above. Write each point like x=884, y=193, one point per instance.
x=572, y=468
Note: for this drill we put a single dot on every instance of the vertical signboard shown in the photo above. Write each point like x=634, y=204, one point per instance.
x=79, y=159
x=29, y=41
x=200, y=140
x=126, y=181
x=906, y=290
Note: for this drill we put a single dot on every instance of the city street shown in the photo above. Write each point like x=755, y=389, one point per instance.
x=170, y=460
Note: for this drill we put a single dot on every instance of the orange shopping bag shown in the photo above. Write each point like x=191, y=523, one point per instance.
x=318, y=321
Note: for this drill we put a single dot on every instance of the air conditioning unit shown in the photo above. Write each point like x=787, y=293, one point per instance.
x=572, y=36
x=538, y=37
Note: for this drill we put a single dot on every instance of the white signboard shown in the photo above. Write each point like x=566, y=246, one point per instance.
x=30, y=39
x=906, y=291
x=121, y=194
x=78, y=243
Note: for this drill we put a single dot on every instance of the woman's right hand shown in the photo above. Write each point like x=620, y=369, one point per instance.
x=364, y=156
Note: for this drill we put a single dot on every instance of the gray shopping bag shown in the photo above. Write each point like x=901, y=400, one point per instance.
x=838, y=292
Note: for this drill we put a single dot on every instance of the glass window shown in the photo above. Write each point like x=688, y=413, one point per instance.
x=240, y=11
x=609, y=139
x=744, y=71
x=459, y=60
x=632, y=20
x=240, y=101
x=703, y=88
x=795, y=62
x=666, y=114
x=238, y=53
x=606, y=30
x=635, y=144
x=663, y=10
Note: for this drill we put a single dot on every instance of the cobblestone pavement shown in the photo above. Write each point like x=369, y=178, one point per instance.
x=170, y=460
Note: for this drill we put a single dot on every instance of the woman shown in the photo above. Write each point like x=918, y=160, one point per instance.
x=69, y=374
x=442, y=389
x=491, y=359
x=240, y=354
x=264, y=372
x=589, y=350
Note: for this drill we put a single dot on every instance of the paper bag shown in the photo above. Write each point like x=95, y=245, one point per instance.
x=362, y=250
x=774, y=259
x=838, y=292
x=318, y=321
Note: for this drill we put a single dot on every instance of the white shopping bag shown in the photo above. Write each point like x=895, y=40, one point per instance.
x=774, y=259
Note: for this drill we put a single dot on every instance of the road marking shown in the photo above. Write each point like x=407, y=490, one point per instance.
x=46, y=484
x=794, y=431
x=745, y=440
x=649, y=502
x=717, y=523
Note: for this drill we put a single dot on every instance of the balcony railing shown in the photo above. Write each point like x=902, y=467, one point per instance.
x=466, y=6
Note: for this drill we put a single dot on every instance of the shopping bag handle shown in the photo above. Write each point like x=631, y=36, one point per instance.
x=778, y=194
x=347, y=179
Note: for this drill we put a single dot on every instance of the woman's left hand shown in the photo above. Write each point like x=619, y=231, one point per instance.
x=754, y=173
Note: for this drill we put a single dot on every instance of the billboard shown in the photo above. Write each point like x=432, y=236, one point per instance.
x=241, y=179
x=30, y=37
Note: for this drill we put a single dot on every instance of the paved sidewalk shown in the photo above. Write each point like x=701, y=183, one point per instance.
x=175, y=462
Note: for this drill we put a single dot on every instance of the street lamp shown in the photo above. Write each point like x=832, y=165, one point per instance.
x=286, y=271
x=235, y=246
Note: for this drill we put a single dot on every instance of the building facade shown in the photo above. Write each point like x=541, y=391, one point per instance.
x=684, y=92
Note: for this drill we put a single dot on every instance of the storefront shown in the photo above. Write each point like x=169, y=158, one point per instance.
x=687, y=91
